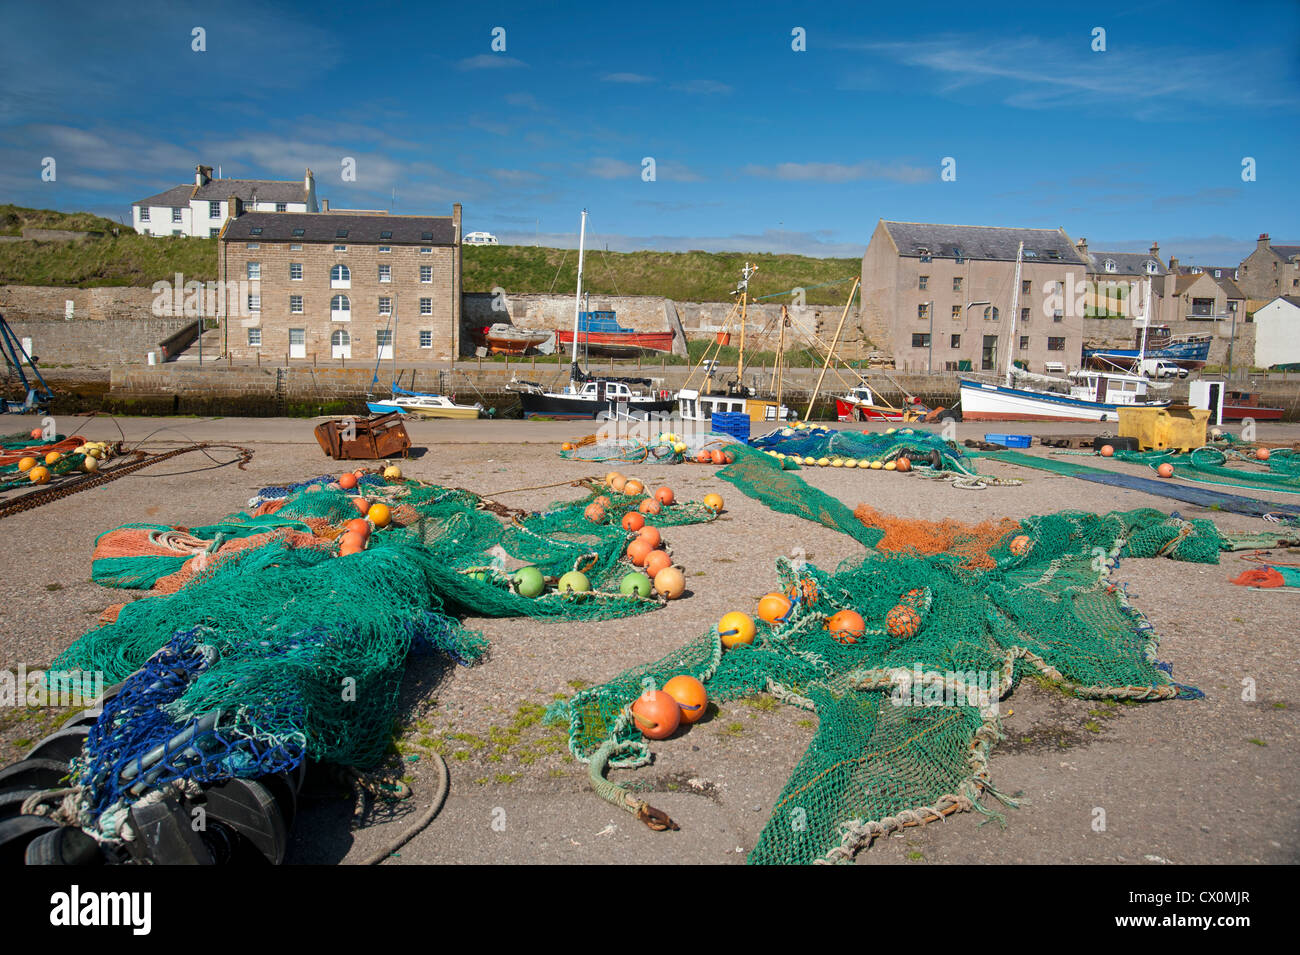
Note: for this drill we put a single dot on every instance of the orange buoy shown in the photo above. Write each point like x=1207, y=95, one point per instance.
x=718, y=457
x=53, y=457
x=713, y=501
x=26, y=464
x=1107, y=450
x=361, y=504
x=728, y=457
x=656, y=561
x=1262, y=454
x=351, y=543
x=656, y=714
x=609, y=478
x=846, y=626
x=638, y=551
x=347, y=480
x=902, y=621
x=649, y=506
x=690, y=695
x=359, y=525
x=633, y=488
x=36, y=434
x=650, y=535
x=379, y=515
x=39, y=475
x=1165, y=470
x=670, y=582
x=665, y=496
x=904, y=464
x=594, y=513
x=1019, y=544
x=736, y=628
x=617, y=483
x=774, y=607
x=704, y=457
x=566, y=446
x=632, y=521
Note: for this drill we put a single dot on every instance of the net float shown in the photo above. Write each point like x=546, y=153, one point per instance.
x=528, y=582
x=633, y=487
x=656, y=714
x=649, y=506
x=650, y=535
x=774, y=607
x=846, y=626
x=617, y=483
x=392, y=473
x=1019, y=544
x=36, y=434
x=717, y=457
x=351, y=543
x=633, y=521
x=53, y=457
x=736, y=628
x=665, y=496
x=361, y=504
x=691, y=697
x=1165, y=470
x=902, y=621
x=904, y=464
x=638, y=551
x=713, y=502
x=39, y=475
x=1107, y=451
x=360, y=525
x=594, y=513
x=26, y=464
x=347, y=481
x=670, y=582
x=566, y=446
x=380, y=515
x=1262, y=454
x=636, y=583
x=656, y=561
x=609, y=478
x=574, y=582
x=90, y=465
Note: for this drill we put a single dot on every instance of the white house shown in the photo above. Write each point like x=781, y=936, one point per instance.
x=201, y=209
x=1277, y=332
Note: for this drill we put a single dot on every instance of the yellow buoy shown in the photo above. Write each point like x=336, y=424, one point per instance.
x=392, y=473
x=876, y=465
x=53, y=457
x=38, y=475
x=850, y=462
x=26, y=464
x=822, y=462
x=891, y=466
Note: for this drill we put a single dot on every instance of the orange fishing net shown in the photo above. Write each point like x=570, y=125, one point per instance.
x=913, y=535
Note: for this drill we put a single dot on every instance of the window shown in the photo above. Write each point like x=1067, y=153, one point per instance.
x=1024, y=315
x=1110, y=266
x=299, y=233
x=213, y=233
x=426, y=251
x=340, y=343
x=1056, y=344
x=255, y=230
x=176, y=216
x=214, y=212
x=340, y=277
x=385, y=248
x=254, y=245
x=144, y=213
x=426, y=338
x=956, y=313
x=176, y=231
x=385, y=235
x=426, y=306
x=956, y=283
x=341, y=234
x=921, y=340
x=254, y=338
x=295, y=304
x=1024, y=343
x=297, y=343
x=282, y=207
x=340, y=248
x=384, y=337
x=385, y=305
x=1025, y=287
x=254, y=271
x=923, y=311
x=426, y=236
x=426, y=273
x=955, y=342
x=1058, y=315
x=254, y=302
x=1030, y=254
x=340, y=309
x=1152, y=267
x=922, y=281
x=295, y=271
x=385, y=273
x=991, y=313
x=1218, y=273
x=295, y=247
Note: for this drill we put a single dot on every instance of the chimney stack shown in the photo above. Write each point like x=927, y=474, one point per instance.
x=1173, y=264
x=1155, y=248
x=234, y=207
x=1082, y=246
x=202, y=175
x=324, y=205
x=1262, y=243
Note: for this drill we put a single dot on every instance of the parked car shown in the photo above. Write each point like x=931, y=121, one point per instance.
x=1159, y=368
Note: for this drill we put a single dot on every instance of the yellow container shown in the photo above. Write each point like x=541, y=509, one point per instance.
x=1180, y=427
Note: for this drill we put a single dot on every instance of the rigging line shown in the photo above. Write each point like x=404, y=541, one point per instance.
x=807, y=288
x=557, y=272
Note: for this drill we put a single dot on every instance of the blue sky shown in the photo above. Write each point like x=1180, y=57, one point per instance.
x=757, y=147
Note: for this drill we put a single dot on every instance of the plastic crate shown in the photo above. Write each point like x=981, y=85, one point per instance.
x=734, y=423
x=1008, y=440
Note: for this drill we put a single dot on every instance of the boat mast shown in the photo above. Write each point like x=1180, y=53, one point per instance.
x=1144, y=329
x=1015, y=305
x=744, y=311
x=577, y=304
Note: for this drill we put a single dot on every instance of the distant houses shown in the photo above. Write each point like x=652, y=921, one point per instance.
x=199, y=210
x=1270, y=271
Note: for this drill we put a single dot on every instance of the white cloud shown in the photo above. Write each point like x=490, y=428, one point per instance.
x=626, y=78
x=839, y=172
x=489, y=61
x=707, y=87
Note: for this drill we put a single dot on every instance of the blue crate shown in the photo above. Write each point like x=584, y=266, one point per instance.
x=1008, y=440
x=734, y=423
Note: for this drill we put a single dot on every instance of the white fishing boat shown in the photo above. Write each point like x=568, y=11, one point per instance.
x=1086, y=395
x=421, y=404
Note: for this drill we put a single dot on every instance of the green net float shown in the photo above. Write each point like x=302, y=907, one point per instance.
x=635, y=583
x=529, y=582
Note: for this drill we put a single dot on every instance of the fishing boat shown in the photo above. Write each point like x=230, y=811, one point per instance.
x=1154, y=342
x=600, y=334
x=421, y=404
x=589, y=396
x=502, y=338
x=858, y=404
x=733, y=395
x=1239, y=405
x=1086, y=395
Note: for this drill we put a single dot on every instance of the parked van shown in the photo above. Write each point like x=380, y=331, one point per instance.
x=480, y=238
x=1159, y=368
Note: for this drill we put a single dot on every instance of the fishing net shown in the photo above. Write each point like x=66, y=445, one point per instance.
x=259, y=646
x=636, y=444
x=1213, y=465
x=972, y=542
x=908, y=710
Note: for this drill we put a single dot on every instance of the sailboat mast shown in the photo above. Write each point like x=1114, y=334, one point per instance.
x=1015, y=310
x=577, y=299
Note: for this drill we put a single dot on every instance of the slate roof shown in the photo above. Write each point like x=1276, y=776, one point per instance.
x=325, y=227
x=1126, y=263
x=267, y=190
x=1287, y=252
x=994, y=243
x=177, y=197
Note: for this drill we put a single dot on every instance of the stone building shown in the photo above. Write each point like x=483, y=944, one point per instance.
x=199, y=210
x=333, y=286
x=1270, y=271
x=939, y=297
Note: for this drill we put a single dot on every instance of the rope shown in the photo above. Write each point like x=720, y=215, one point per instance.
x=656, y=819
x=443, y=785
